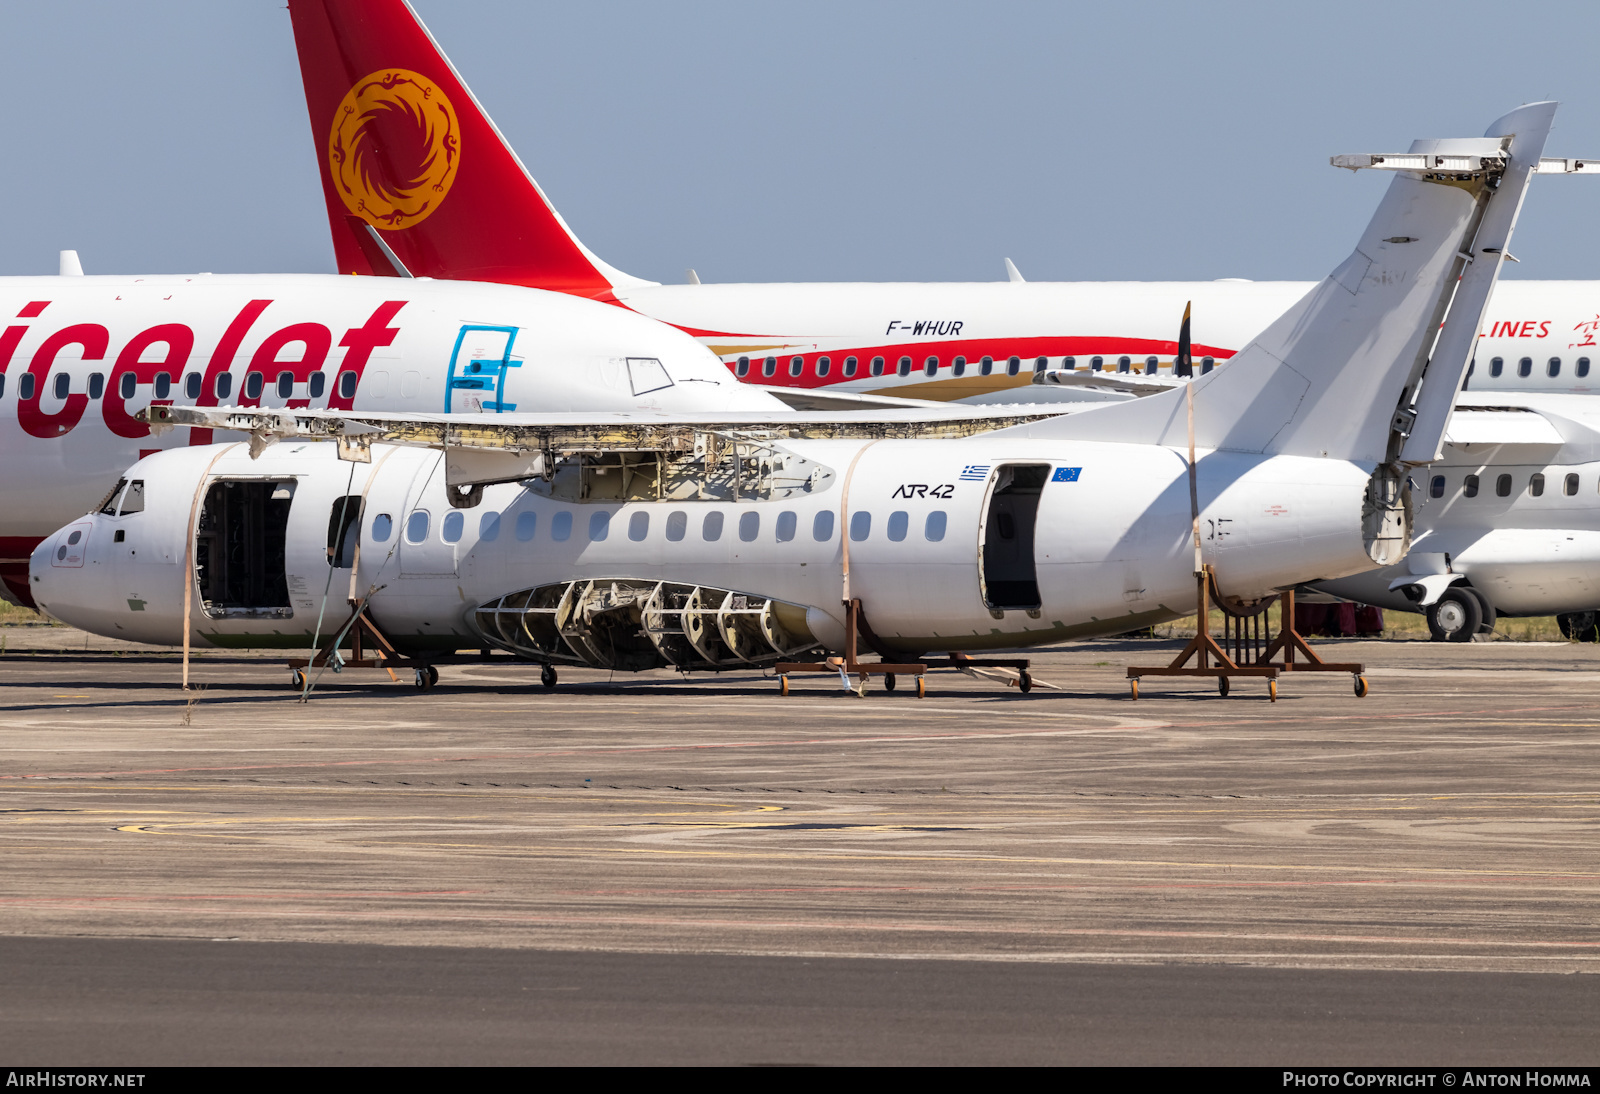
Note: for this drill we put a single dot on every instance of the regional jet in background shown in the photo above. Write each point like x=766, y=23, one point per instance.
x=386, y=104
x=730, y=541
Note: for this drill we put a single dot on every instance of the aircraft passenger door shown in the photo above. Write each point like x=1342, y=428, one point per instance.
x=1006, y=544
x=476, y=382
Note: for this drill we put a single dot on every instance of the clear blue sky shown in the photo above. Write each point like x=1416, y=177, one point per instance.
x=814, y=141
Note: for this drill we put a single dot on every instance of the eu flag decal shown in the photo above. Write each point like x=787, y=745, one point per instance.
x=1066, y=474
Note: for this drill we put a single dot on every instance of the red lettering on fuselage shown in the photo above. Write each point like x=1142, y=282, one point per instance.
x=179, y=341
x=222, y=360
x=93, y=338
x=1520, y=328
x=314, y=337
x=359, y=342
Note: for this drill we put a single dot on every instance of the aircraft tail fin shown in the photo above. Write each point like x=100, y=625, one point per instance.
x=1360, y=368
x=417, y=178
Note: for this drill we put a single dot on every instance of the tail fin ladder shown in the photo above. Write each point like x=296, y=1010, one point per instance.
x=1337, y=373
x=405, y=148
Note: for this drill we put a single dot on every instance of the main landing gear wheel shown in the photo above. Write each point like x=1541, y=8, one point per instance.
x=1024, y=682
x=1361, y=687
x=1455, y=616
x=427, y=676
x=547, y=676
x=297, y=679
x=1486, y=624
x=888, y=681
x=922, y=688
x=1222, y=685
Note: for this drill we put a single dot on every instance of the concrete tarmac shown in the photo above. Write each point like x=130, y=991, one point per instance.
x=1441, y=831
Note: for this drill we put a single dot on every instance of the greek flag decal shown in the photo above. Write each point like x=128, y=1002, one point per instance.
x=1066, y=474
x=974, y=472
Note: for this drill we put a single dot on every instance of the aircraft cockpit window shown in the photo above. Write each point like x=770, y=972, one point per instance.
x=647, y=374
x=1536, y=485
x=639, y=526
x=742, y=369
x=786, y=525
x=253, y=383
x=382, y=528
x=1525, y=367
x=97, y=385
x=347, y=384
x=285, y=384
x=749, y=526
x=599, y=526
x=1469, y=486
x=711, y=527
x=1571, y=485
x=25, y=387
x=899, y=521
x=1554, y=368
x=933, y=527
x=1436, y=487
x=163, y=385
x=958, y=367
x=1502, y=486
x=451, y=526
x=63, y=385
x=1013, y=365
x=108, y=504
x=822, y=526
x=796, y=365
x=224, y=385
x=191, y=385
x=930, y=366
x=677, y=525
x=1497, y=365
x=823, y=365
x=132, y=498
x=849, y=367
x=1583, y=366
x=860, y=525
x=317, y=385
x=904, y=366
x=417, y=526
x=527, y=525
x=986, y=366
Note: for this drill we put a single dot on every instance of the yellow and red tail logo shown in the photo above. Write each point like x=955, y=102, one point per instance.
x=394, y=149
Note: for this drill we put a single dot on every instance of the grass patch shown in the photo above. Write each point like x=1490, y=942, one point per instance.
x=13, y=616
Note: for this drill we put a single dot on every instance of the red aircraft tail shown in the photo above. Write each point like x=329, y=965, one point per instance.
x=418, y=180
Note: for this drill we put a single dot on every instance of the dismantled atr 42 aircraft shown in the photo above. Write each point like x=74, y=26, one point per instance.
x=641, y=540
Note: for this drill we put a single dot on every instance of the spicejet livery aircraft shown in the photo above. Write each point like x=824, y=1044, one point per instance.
x=418, y=181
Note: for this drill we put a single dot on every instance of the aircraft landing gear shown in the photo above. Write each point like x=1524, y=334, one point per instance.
x=547, y=676
x=427, y=677
x=1455, y=616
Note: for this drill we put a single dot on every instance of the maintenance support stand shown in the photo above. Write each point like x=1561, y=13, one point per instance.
x=1241, y=652
x=856, y=628
x=385, y=656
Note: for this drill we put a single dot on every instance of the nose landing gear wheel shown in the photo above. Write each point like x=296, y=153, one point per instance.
x=547, y=676
x=1361, y=687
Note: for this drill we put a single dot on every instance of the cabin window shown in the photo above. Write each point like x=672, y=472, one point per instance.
x=933, y=527
x=528, y=524
x=786, y=525
x=899, y=521
x=1525, y=367
x=253, y=382
x=677, y=525
x=1124, y=364
x=742, y=369
x=382, y=528
x=1151, y=364
x=561, y=527
x=986, y=366
x=1497, y=365
x=191, y=385
x=417, y=526
x=1013, y=365
x=63, y=385
x=822, y=526
x=958, y=367
x=451, y=527
x=1436, y=487
x=1207, y=364
x=877, y=366
x=25, y=387
x=97, y=385
x=285, y=384
x=126, y=385
x=344, y=531
x=749, y=526
x=860, y=525
x=1469, y=486
x=904, y=366
x=769, y=367
x=1554, y=367
x=1536, y=485
x=849, y=367
x=2, y=383
x=489, y=527
x=711, y=527
x=599, y=526
x=930, y=366
x=316, y=385
x=639, y=526
x=823, y=364
x=1583, y=366
x=224, y=385
x=1571, y=485
x=1069, y=362
x=1041, y=363
x=796, y=365
x=1096, y=364
x=1502, y=486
